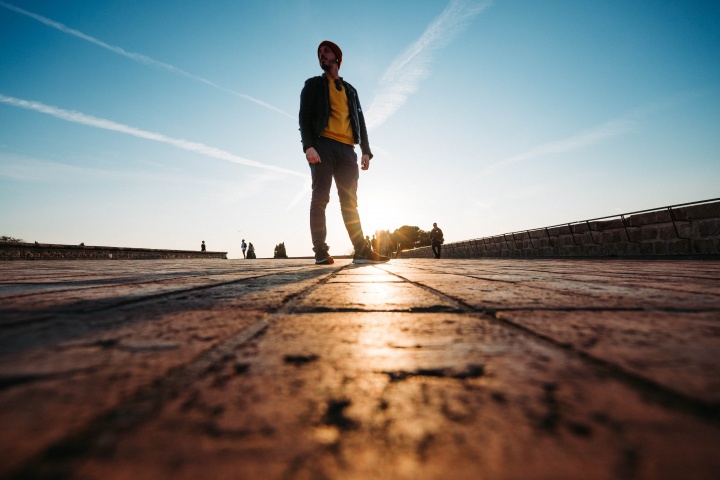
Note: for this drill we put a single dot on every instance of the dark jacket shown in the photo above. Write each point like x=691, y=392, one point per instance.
x=436, y=236
x=315, y=113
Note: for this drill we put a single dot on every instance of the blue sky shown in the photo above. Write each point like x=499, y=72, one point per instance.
x=163, y=123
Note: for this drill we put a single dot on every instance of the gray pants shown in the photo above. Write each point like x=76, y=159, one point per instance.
x=437, y=249
x=338, y=161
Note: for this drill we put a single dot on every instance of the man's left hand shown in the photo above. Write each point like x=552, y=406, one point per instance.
x=365, y=162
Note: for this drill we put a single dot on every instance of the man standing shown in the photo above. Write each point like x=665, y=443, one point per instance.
x=243, y=247
x=436, y=240
x=331, y=124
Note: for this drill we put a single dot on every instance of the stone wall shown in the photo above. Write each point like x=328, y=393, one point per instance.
x=691, y=230
x=43, y=251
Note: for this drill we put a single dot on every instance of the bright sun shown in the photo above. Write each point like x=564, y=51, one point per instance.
x=385, y=215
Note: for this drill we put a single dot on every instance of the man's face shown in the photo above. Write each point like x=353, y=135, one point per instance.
x=326, y=57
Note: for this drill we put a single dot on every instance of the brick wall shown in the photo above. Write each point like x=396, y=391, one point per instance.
x=683, y=231
x=42, y=251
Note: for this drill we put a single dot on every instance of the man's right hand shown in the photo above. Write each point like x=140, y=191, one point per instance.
x=312, y=156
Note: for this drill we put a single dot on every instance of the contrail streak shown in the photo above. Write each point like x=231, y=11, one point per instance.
x=595, y=135
x=307, y=187
x=77, y=117
x=612, y=128
x=137, y=57
x=404, y=75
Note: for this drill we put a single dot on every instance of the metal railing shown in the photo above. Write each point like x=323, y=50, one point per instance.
x=621, y=216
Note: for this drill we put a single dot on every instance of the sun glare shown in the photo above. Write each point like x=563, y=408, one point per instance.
x=382, y=215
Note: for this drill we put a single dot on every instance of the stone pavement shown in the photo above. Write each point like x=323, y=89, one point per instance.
x=417, y=369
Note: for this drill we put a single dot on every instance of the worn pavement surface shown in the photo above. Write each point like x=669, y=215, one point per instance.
x=416, y=369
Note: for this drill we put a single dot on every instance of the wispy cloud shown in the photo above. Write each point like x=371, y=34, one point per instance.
x=303, y=191
x=137, y=57
x=81, y=118
x=598, y=134
x=587, y=138
x=404, y=75
x=30, y=169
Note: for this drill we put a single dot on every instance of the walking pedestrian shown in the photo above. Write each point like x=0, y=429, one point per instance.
x=436, y=240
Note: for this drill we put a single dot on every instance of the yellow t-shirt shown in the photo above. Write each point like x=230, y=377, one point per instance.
x=338, y=127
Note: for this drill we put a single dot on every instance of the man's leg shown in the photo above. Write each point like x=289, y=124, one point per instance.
x=322, y=174
x=346, y=179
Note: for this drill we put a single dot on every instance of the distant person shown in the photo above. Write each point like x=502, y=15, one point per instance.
x=202, y=246
x=251, y=251
x=243, y=247
x=331, y=124
x=373, y=244
x=436, y=240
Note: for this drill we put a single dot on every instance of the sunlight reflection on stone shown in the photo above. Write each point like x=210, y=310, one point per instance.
x=384, y=342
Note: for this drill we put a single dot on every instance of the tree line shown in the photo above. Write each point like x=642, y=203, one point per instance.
x=8, y=239
x=386, y=242
x=406, y=236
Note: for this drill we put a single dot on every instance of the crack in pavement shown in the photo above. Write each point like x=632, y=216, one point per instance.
x=57, y=460
x=656, y=392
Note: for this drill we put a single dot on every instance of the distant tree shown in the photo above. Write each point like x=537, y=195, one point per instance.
x=407, y=236
x=6, y=239
x=280, y=251
x=423, y=239
x=385, y=241
x=393, y=242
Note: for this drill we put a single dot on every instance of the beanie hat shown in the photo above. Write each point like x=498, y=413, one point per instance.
x=335, y=49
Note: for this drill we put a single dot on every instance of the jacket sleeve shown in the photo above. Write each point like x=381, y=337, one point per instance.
x=364, y=142
x=307, y=108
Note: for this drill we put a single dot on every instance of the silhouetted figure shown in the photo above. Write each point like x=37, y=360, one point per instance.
x=202, y=246
x=331, y=124
x=243, y=247
x=373, y=244
x=436, y=240
x=251, y=251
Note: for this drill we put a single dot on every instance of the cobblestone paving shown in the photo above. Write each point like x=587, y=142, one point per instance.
x=416, y=369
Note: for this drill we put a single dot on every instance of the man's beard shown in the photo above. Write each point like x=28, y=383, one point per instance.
x=325, y=66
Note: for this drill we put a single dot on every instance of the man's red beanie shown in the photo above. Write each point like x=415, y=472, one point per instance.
x=335, y=49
